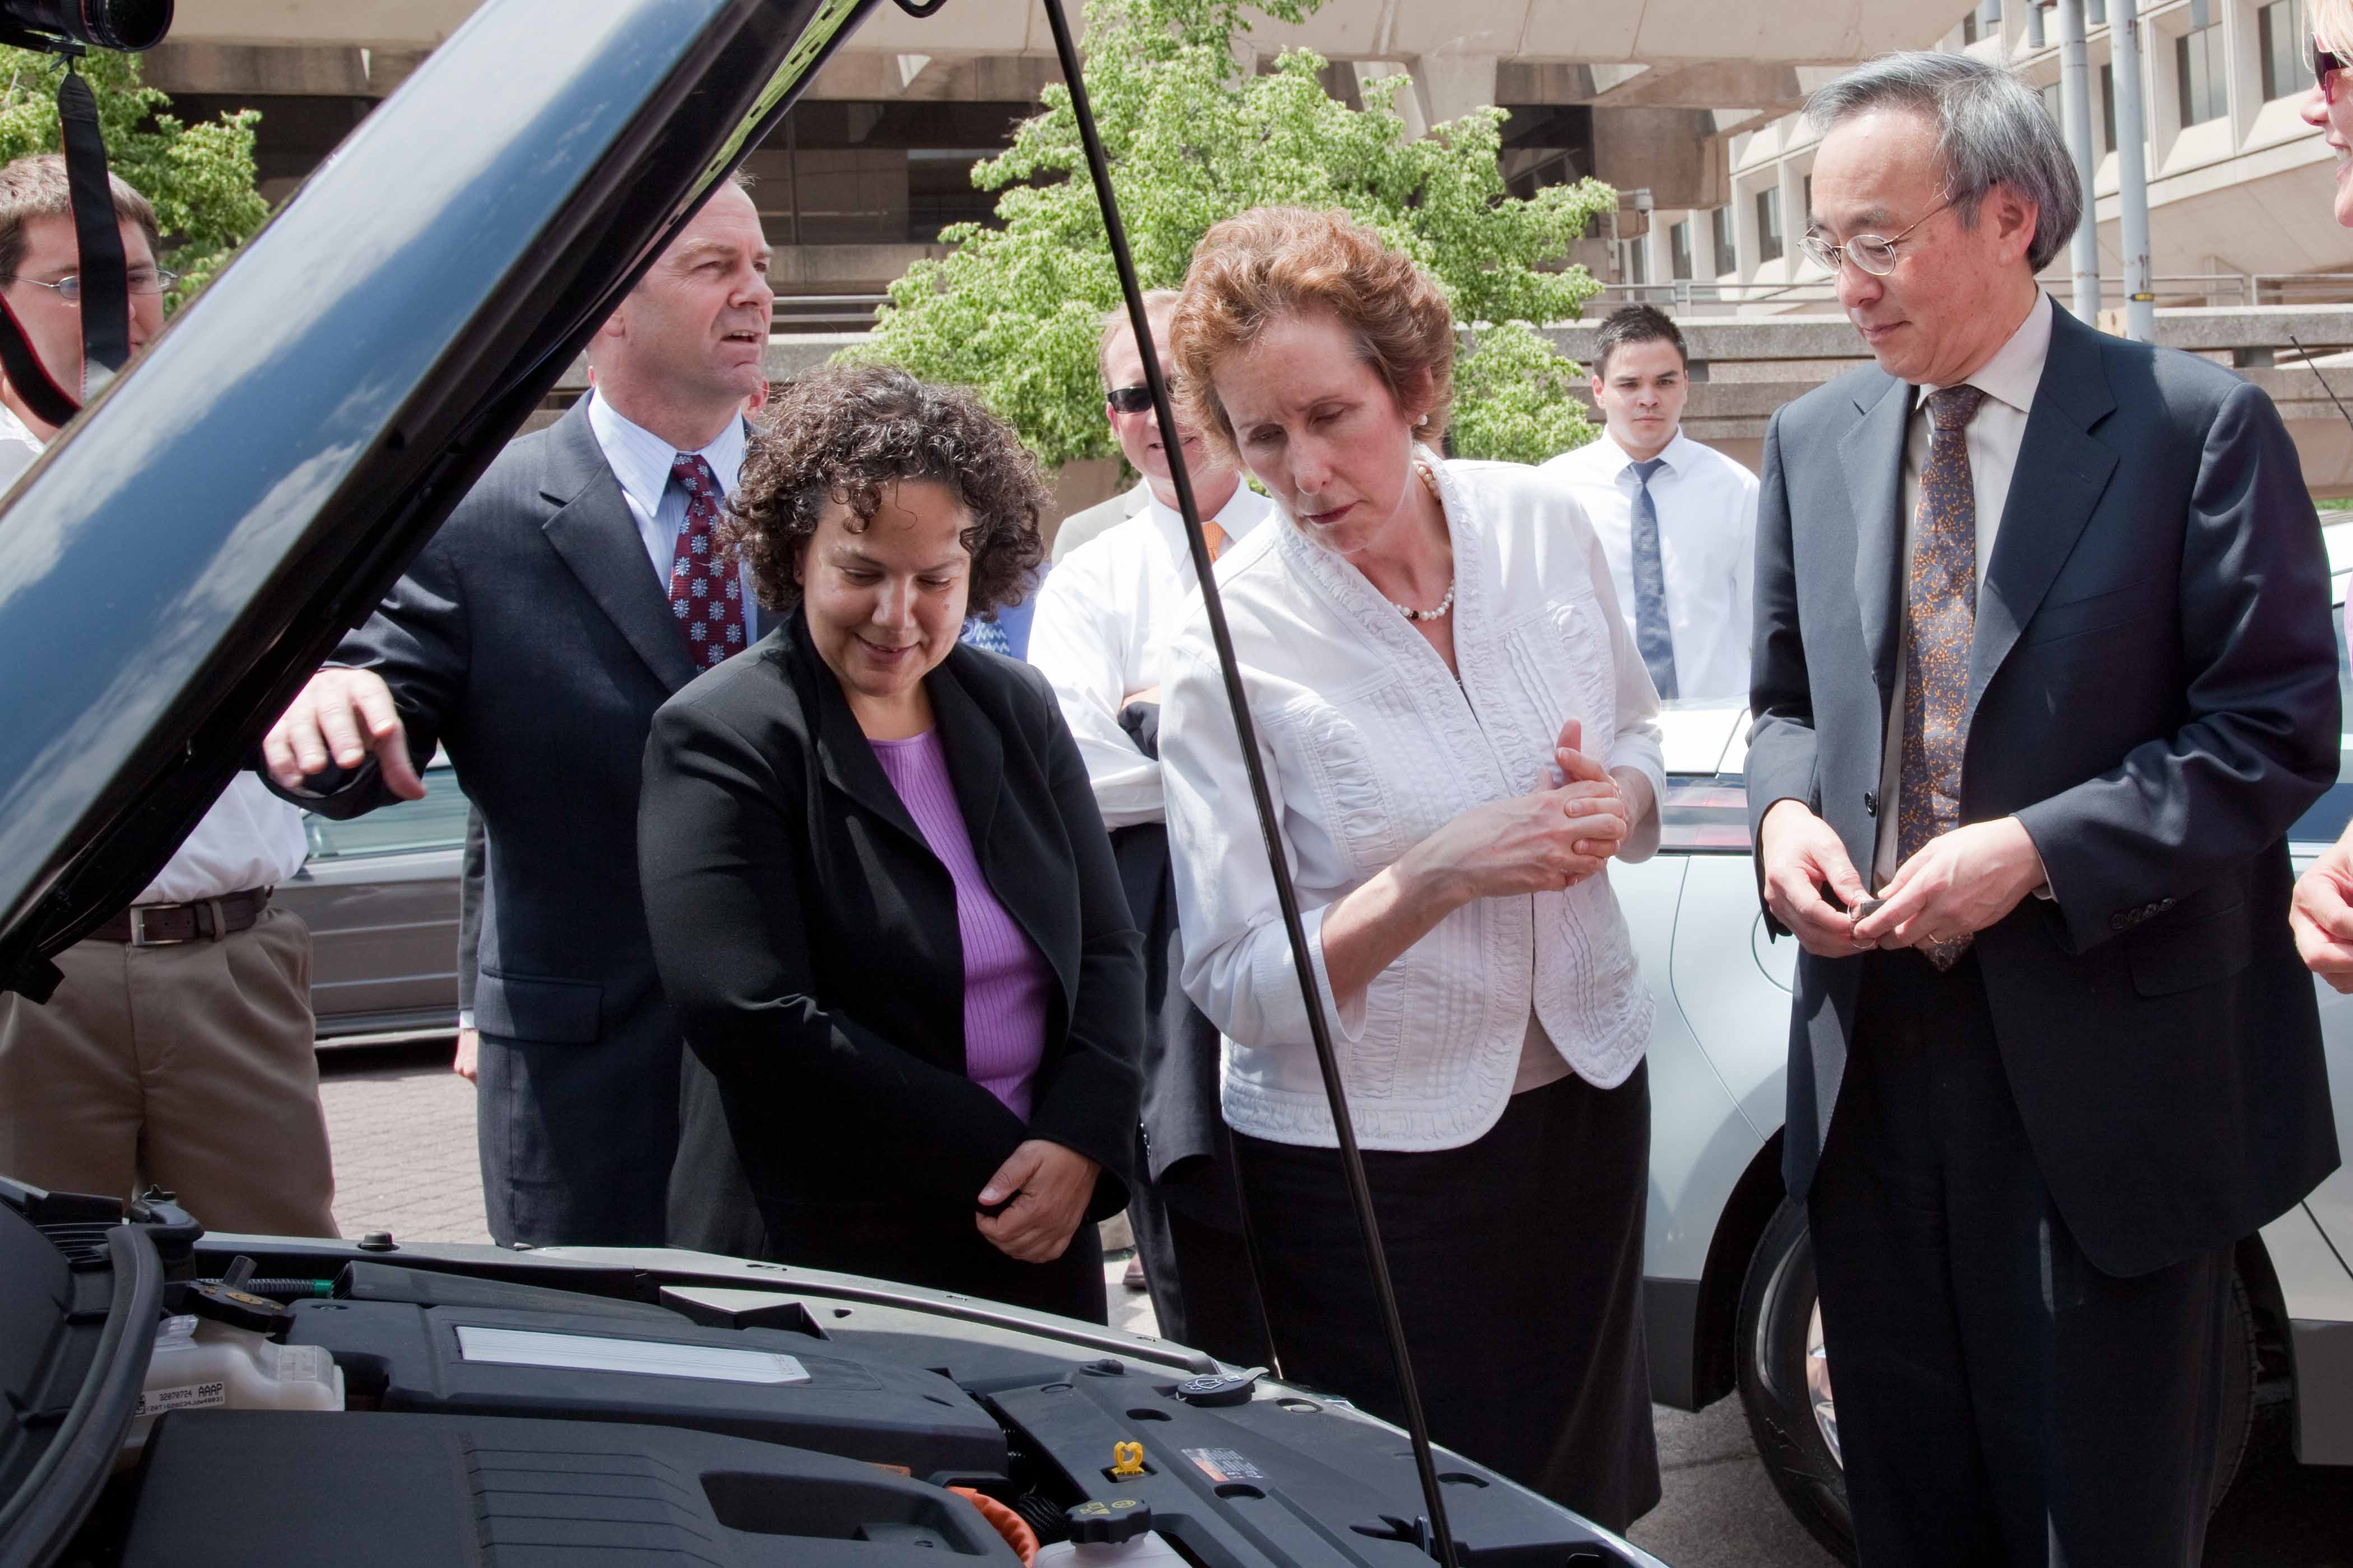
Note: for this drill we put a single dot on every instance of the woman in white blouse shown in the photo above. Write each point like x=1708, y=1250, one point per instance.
x=1460, y=735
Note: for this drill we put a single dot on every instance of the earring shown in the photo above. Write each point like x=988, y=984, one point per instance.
x=1420, y=421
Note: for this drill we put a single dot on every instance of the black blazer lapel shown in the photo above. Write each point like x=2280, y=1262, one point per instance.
x=845, y=758
x=593, y=531
x=2061, y=475
x=1873, y=454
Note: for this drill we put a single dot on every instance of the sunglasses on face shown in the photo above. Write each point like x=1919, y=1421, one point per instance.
x=1134, y=399
x=2325, y=64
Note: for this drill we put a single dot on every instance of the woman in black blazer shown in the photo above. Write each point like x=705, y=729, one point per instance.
x=883, y=905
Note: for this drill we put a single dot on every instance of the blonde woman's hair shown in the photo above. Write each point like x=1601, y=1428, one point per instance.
x=2332, y=24
x=1271, y=264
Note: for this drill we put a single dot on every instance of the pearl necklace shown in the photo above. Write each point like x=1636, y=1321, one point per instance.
x=1429, y=483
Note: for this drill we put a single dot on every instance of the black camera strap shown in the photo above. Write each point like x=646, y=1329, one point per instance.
x=97, y=233
x=103, y=268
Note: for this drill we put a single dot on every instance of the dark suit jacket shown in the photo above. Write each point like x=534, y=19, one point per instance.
x=531, y=637
x=2153, y=694
x=808, y=936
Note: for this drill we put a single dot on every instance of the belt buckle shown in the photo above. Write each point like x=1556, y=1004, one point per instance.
x=138, y=937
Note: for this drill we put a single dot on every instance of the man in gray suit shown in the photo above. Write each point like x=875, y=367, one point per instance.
x=568, y=595
x=2043, y=673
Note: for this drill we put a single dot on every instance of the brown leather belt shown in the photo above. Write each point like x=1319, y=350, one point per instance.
x=160, y=925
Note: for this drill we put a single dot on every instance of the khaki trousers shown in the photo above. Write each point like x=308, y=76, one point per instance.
x=190, y=1067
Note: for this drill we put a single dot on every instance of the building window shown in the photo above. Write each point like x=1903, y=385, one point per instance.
x=2107, y=125
x=2050, y=107
x=1969, y=33
x=1727, y=259
x=1768, y=224
x=2281, y=27
x=1636, y=267
x=2198, y=76
x=1678, y=250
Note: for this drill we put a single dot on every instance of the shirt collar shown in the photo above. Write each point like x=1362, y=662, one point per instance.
x=1243, y=510
x=2015, y=370
x=642, y=460
x=1614, y=460
x=15, y=429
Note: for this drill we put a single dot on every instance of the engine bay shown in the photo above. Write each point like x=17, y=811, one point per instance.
x=532, y=1409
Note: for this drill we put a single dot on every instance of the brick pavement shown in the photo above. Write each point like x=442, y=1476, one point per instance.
x=401, y=1125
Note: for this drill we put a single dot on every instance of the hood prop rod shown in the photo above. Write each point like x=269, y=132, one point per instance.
x=1440, y=1541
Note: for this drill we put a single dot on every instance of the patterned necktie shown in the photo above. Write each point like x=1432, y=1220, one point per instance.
x=1651, y=634
x=1214, y=538
x=706, y=594
x=1940, y=608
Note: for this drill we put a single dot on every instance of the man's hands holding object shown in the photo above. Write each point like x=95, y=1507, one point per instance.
x=1957, y=885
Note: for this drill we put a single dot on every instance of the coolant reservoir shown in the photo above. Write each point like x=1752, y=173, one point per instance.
x=199, y=1364
x=1149, y=1549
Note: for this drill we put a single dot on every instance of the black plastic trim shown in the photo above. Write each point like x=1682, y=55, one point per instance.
x=41, y=1519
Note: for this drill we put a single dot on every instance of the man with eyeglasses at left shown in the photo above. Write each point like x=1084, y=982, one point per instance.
x=180, y=1041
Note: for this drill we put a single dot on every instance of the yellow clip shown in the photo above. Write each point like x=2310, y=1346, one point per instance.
x=1127, y=1459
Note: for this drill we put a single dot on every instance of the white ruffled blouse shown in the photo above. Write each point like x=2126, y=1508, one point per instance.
x=1370, y=746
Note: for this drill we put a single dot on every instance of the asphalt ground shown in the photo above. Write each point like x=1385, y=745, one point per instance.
x=402, y=1127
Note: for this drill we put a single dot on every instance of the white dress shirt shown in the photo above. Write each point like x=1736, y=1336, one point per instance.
x=1995, y=433
x=641, y=462
x=250, y=838
x=1707, y=544
x=1371, y=745
x=1104, y=621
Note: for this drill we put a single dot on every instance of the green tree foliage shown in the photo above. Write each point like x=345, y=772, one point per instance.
x=1016, y=311
x=200, y=176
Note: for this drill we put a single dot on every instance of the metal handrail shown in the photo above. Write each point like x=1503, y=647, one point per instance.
x=2245, y=288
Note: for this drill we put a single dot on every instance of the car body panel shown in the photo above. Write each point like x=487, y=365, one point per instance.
x=380, y=894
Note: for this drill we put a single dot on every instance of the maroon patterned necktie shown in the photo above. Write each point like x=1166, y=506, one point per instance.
x=706, y=594
x=1940, y=608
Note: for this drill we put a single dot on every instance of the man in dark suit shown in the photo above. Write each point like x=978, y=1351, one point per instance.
x=574, y=589
x=2043, y=655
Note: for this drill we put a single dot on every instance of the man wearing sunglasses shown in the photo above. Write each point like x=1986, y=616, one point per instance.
x=1102, y=618
x=2043, y=673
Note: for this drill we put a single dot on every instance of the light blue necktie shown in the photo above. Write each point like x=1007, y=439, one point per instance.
x=1651, y=634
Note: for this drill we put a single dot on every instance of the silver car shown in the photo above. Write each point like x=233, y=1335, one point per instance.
x=1729, y=1270
x=380, y=895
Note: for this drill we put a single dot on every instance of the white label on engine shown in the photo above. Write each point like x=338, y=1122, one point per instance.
x=194, y=1396
x=647, y=1358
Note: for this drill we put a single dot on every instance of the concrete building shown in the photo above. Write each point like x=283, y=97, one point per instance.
x=876, y=159
x=2239, y=186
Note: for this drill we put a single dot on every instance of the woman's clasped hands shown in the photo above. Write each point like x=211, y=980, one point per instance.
x=1542, y=842
x=1043, y=1188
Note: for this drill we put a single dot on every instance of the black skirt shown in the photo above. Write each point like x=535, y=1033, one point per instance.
x=1519, y=1265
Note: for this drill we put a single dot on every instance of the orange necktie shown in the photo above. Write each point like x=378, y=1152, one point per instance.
x=1216, y=538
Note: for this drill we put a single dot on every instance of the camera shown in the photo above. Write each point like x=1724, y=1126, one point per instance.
x=69, y=26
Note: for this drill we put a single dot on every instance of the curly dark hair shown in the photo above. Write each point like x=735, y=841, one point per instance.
x=844, y=432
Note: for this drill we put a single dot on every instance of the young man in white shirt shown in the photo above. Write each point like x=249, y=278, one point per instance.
x=178, y=1051
x=1104, y=616
x=1677, y=520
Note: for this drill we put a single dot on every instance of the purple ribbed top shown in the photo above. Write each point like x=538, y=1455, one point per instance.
x=1005, y=975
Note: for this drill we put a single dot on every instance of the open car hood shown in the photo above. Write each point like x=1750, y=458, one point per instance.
x=190, y=549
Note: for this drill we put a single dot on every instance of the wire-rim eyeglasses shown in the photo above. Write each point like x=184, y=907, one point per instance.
x=1869, y=252
x=141, y=281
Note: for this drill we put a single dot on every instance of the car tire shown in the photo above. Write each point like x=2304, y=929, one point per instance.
x=1776, y=1336
x=1770, y=1334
